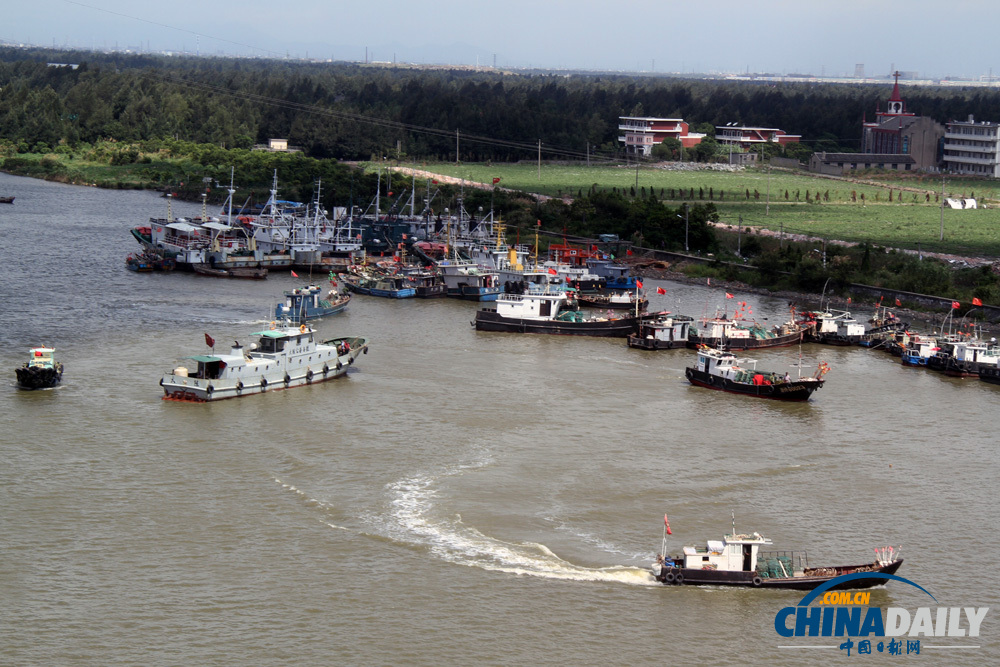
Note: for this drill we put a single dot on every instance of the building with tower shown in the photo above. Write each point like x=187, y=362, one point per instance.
x=898, y=131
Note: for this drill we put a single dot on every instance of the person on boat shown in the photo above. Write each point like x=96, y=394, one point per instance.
x=788, y=378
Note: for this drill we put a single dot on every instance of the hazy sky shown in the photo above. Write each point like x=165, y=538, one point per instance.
x=934, y=39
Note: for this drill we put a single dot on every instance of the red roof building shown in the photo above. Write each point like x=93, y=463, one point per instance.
x=749, y=137
x=641, y=133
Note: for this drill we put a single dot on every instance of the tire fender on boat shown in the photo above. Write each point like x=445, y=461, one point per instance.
x=326, y=369
x=757, y=581
x=309, y=375
x=339, y=365
x=209, y=389
x=669, y=577
x=161, y=382
x=263, y=384
x=288, y=379
x=239, y=386
x=711, y=379
x=679, y=579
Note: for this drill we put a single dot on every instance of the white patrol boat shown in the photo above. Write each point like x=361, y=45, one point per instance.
x=284, y=356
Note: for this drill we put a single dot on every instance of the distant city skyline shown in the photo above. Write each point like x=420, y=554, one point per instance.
x=781, y=37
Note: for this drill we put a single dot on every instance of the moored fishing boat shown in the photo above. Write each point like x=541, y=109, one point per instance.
x=834, y=328
x=551, y=312
x=917, y=350
x=737, y=560
x=723, y=371
x=284, y=356
x=664, y=332
x=970, y=357
x=304, y=303
x=41, y=371
x=734, y=334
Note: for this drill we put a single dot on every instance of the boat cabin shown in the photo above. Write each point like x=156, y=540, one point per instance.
x=733, y=553
x=42, y=357
x=667, y=329
x=277, y=341
x=532, y=305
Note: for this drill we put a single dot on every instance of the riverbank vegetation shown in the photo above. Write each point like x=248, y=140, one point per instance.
x=184, y=125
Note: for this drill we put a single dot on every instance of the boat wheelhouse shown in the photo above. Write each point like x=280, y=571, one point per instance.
x=664, y=332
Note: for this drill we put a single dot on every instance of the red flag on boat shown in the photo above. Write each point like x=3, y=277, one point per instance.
x=628, y=252
x=638, y=284
x=294, y=275
x=209, y=341
x=667, y=524
x=976, y=302
x=552, y=272
x=898, y=302
x=956, y=304
x=729, y=296
x=848, y=299
x=496, y=180
x=660, y=290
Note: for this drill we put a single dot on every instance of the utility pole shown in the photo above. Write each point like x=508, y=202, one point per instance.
x=539, y=159
x=686, y=249
x=739, y=237
x=942, y=209
x=767, y=207
x=456, y=147
x=637, y=174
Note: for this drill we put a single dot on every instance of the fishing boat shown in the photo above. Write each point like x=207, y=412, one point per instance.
x=251, y=273
x=305, y=303
x=386, y=286
x=989, y=373
x=41, y=371
x=737, y=334
x=6, y=200
x=738, y=560
x=917, y=350
x=551, y=312
x=614, y=300
x=282, y=357
x=834, y=328
x=716, y=369
x=466, y=280
x=427, y=284
x=969, y=357
x=664, y=332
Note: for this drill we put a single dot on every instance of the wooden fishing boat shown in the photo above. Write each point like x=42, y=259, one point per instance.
x=6, y=200
x=737, y=560
x=41, y=371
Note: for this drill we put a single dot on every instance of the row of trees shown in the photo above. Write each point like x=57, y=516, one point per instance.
x=349, y=111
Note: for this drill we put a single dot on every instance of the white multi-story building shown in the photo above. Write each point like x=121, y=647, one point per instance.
x=972, y=148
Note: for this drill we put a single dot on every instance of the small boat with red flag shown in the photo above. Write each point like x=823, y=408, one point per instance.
x=738, y=559
x=723, y=371
x=41, y=371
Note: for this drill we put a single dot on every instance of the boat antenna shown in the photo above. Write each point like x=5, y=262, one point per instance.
x=734, y=522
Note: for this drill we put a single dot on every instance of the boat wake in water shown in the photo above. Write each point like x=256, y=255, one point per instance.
x=413, y=503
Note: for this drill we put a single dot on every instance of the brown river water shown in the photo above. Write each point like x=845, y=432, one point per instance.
x=459, y=497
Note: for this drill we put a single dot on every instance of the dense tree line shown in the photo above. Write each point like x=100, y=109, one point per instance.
x=350, y=111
